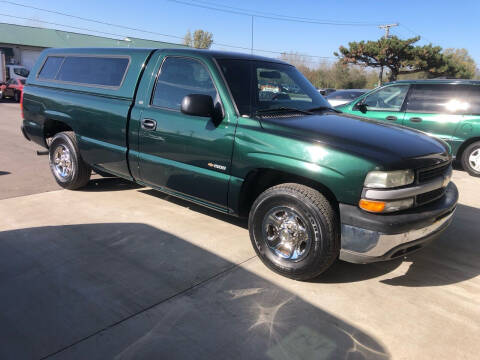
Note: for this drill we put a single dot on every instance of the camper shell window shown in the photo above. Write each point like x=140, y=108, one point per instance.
x=102, y=71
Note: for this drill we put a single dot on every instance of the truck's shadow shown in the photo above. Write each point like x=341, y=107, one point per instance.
x=454, y=257
x=129, y=290
x=101, y=184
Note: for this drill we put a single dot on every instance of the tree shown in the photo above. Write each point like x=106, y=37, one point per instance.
x=201, y=39
x=462, y=61
x=401, y=57
x=325, y=74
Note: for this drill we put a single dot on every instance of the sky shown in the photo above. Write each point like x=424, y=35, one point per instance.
x=447, y=24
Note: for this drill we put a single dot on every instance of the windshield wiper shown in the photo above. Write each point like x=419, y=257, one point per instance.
x=284, y=109
x=324, y=108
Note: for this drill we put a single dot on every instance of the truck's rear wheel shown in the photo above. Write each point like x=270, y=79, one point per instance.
x=471, y=159
x=68, y=167
x=294, y=230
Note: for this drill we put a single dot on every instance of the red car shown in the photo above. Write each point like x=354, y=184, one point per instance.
x=13, y=88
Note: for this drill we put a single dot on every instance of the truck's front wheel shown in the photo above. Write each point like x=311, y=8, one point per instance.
x=295, y=231
x=68, y=167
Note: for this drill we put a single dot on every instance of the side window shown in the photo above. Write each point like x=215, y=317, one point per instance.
x=50, y=67
x=178, y=78
x=21, y=72
x=440, y=98
x=389, y=98
x=102, y=71
x=473, y=98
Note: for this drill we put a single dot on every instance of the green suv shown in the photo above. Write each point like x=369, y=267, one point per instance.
x=448, y=109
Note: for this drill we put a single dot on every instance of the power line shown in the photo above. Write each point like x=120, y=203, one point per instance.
x=63, y=25
x=272, y=16
x=259, y=13
x=90, y=20
x=415, y=33
x=179, y=37
x=130, y=28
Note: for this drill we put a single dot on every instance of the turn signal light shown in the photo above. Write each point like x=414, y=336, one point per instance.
x=372, y=206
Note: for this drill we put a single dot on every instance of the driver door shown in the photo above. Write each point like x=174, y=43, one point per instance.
x=385, y=104
x=188, y=155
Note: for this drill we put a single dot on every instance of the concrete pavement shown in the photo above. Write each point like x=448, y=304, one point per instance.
x=119, y=271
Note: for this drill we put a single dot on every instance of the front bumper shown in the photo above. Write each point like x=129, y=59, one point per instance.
x=370, y=237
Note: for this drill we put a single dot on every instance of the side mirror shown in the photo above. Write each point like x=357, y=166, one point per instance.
x=198, y=105
x=361, y=107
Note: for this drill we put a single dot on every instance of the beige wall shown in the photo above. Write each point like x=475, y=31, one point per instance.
x=24, y=55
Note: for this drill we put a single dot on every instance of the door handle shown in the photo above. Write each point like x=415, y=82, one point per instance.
x=415, y=119
x=149, y=124
x=391, y=118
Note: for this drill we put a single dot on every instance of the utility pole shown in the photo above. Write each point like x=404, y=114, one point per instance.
x=251, y=49
x=385, y=27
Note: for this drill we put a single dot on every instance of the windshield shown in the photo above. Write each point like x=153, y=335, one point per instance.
x=21, y=72
x=259, y=86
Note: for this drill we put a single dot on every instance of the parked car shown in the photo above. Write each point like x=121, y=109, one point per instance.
x=326, y=92
x=315, y=184
x=12, y=89
x=341, y=97
x=448, y=109
x=13, y=72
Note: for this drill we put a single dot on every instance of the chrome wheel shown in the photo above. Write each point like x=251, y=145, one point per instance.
x=474, y=160
x=285, y=232
x=62, y=162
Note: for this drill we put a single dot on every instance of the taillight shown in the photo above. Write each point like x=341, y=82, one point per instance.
x=21, y=105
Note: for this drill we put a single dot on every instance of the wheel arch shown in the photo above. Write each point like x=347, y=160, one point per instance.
x=52, y=127
x=464, y=145
x=260, y=179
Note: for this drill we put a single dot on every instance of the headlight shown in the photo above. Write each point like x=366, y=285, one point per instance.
x=376, y=206
x=389, y=179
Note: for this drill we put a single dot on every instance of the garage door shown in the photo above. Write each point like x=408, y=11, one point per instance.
x=29, y=57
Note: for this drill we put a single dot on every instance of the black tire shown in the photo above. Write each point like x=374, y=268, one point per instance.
x=322, y=226
x=79, y=174
x=16, y=96
x=473, y=148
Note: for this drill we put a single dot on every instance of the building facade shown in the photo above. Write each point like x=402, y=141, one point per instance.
x=23, y=44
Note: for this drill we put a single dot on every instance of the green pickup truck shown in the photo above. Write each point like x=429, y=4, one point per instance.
x=448, y=109
x=227, y=131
